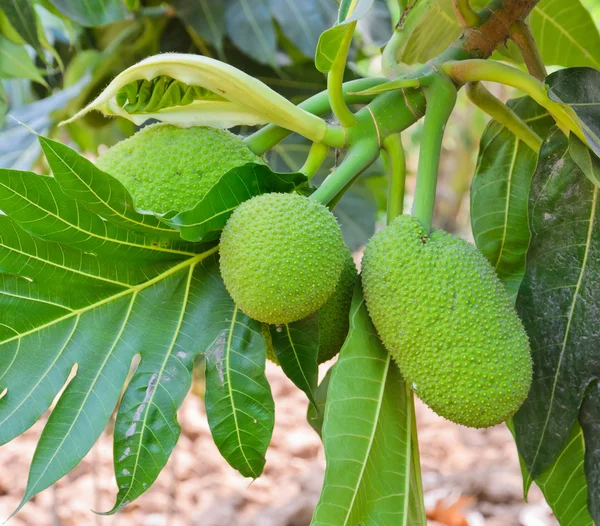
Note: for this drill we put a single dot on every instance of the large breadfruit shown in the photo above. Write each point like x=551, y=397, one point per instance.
x=281, y=257
x=445, y=317
x=169, y=168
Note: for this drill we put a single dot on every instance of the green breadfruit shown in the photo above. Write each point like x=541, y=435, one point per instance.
x=334, y=319
x=169, y=168
x=445, y=317
x=281, y=257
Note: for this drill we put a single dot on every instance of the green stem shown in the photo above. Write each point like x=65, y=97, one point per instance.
x=268, y=136
x=440, y=94
x=317, y=154
x=476, y=70
x=483, y=99
x=358, y=158
x=392, y=144
x=335, y=81
x=467, y=17
x=522, y=37
x=391, y=52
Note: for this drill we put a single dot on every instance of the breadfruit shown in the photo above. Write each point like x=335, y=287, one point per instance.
x=169, y=168
x=334, y=319
x=446, y=319
x=281, y=257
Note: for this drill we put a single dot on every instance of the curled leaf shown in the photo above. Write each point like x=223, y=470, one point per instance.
x=192, y=90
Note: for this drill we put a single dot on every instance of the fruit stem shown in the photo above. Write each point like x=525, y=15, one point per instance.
x=520, y=33
x=335, y=81
x=317, y=154
x=475, y=70
x=319, y=104
x=467, y=17
x=440, y=95
x=487, y=102
x=358, y=158
x=392, y=144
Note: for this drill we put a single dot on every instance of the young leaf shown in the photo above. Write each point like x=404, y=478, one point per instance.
x=557, y=301
x=92, y=12
x=579, y=88
x=205, y=221
x=500, y=191
x=585, y=159
x=296, y=347
x=367, y=433
x=330, y=41
x=239, y=404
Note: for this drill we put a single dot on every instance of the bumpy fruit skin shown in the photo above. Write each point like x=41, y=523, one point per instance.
x=281, y=257
x=334, y=319
x=445, y=317
x=169, y=168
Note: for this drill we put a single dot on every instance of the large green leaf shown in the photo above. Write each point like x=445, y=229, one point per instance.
x=15, y=63
x=92, y=12
x=500, y=191
x=556, y=302
x=206, y=17
x=250, y=27
x=91, y=282
x=205, y=221
x=566, y=34
x=590, y=424
x=368, y=433
x=22, y=17
x=579, y=88
x=239, y=404
x=316, y=412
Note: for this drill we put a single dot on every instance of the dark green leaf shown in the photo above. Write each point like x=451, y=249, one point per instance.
x=206, y=17
x=371, y=477
x=239, y=404
x=357, y=214
x=297, y=346
x=22, y=17
x=330, y=41
x=251, y=29
x=580, y=89
x=585, y=159
x=15, y=63
x=302, y=22
x=205, y=221
x=316, y=413
x=92, y=12
x=557, y=303
x=590, y=424
x=500, y=190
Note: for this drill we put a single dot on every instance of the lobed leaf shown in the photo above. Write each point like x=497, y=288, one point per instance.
x=368, y=431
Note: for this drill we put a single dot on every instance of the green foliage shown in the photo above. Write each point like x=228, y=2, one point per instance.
x=155, y=167
x=432, y=297
x=281, y=257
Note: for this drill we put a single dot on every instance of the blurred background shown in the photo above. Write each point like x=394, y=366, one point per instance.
x=60, y=58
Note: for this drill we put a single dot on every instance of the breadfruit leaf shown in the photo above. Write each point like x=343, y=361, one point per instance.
x=557, y=303
x=296, y=347
x=205, y=221
x=371, y=475
x=316, y=412
x=500, y=191
x=578, y=89
x=585, y=158
x=80, y=296
x=239, y=404
x=330, y=41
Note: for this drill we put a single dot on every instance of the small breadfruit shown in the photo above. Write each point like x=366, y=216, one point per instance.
x=165, y=167
x=334, y=319
x=445, y=317
x=281, y=257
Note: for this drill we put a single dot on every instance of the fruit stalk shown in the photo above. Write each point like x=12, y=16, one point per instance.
x=440, y=94
x=467, y=17
x=522, y=37
x=335, y=80
x=397, y=175
x=317, y=154
x=484, y=100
